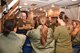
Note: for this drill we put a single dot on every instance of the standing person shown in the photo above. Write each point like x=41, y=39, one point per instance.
x=52, y=22
x=76, y=36
x=41, y=38
x=10, y=41
x=23, y=26
x=62, y=38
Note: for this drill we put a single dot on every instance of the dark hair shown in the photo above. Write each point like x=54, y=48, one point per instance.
x=61, y=15
x=62, y=12
x=8, y=26
x=25, y=13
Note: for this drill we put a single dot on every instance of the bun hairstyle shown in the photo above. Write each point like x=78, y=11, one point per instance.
x=8, y=26
x=63, y=16
x=43, y=30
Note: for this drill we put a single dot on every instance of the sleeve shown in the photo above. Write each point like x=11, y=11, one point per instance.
x=23, y=39
x=29, y=32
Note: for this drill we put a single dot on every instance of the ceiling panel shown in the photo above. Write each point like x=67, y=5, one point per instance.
x=45, y=3
x=67, y=2
x=38, y=3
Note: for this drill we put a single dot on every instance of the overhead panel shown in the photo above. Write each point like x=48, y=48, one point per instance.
x=35, y=3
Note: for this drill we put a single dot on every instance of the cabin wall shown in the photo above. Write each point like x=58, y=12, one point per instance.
x=73, y=13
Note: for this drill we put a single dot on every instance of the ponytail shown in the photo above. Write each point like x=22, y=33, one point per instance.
x=6, y=32
x=43, y=31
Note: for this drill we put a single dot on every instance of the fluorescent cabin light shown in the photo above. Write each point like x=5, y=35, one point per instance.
x=40, y=9
x=25, y=3
x=52, y=5
x=74, y=0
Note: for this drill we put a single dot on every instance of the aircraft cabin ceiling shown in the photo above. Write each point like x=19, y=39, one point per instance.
x=34, y=4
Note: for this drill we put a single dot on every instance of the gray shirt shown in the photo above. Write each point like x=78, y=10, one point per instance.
x=36, y=44
x=12, y=44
